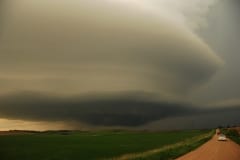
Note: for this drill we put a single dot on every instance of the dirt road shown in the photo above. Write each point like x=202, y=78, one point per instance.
x=215, y=150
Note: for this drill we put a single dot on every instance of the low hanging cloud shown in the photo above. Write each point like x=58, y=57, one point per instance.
x=93, y=110
x=80, y=47
x=125, y=111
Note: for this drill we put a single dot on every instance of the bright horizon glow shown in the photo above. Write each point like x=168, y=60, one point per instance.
x=6, y=125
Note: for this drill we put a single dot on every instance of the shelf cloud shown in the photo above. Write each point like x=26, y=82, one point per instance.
x=101, y=46
x=112, y=63
x=121, y=111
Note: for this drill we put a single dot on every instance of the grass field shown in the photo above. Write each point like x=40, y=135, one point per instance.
x=86, y=145
x=232, y=134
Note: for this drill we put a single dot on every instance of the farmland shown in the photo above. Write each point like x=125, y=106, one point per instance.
x=86, y=145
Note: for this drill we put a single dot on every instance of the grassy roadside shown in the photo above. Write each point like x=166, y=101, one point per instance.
x=169, y=152
x=232, y=134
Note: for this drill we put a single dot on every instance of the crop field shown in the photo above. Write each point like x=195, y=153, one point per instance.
x=86, y=145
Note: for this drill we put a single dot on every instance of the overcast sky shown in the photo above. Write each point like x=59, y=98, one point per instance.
x=111, y=63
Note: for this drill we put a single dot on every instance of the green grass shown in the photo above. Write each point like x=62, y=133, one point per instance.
x=169, y=152
x=232, y=134
x=86, y=145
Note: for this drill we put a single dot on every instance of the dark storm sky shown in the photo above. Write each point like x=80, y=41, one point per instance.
x=120, y=63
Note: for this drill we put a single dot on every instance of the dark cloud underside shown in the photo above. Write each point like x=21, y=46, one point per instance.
x=120, y=111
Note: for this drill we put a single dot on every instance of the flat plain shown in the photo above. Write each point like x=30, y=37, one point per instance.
x=86, y=145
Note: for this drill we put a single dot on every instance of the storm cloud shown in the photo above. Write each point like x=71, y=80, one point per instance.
x=223, y=36
x=102, y=111
x=119, y=110
x=135, y=63
x=101, y=46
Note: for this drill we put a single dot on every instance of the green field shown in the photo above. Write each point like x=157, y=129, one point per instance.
x=86, y=145
x=232, y=134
